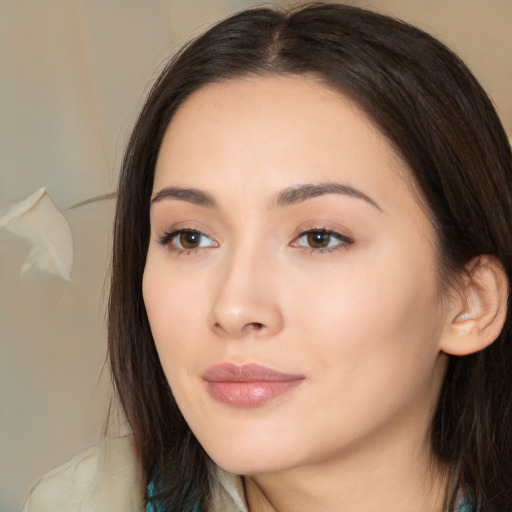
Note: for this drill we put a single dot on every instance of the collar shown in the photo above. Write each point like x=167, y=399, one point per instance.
x=229, y=494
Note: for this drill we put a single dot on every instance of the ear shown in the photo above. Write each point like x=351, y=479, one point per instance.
x=478, y=309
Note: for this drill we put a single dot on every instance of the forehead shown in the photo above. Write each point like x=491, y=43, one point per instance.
x=273, y=116
x=261, y=107
x=279, y=131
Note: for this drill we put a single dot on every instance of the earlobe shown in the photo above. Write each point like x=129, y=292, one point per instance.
x=479, y=310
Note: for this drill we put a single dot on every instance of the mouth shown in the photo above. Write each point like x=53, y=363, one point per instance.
x=248, y=386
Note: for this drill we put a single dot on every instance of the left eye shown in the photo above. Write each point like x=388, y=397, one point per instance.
x=321, y=239
x=187, y=240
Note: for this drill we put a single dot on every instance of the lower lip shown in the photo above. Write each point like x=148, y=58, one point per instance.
x=250, y=394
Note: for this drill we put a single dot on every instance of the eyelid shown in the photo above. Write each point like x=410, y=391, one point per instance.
x=164, y=227
x=325, y=225
x=173, y=232
x=337, y=233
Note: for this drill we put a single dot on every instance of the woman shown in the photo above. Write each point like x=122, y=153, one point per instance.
x=310, y=279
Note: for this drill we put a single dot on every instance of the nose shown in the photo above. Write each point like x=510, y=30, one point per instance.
x=246, y=302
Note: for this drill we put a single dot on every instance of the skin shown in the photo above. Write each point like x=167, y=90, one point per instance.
x=362, y=320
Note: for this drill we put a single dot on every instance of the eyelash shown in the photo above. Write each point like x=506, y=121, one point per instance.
x=170, y=236
x=343, y=241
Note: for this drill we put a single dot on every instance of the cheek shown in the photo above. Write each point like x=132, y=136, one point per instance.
x=373, y=339
x=378, y=316
x=175, y=308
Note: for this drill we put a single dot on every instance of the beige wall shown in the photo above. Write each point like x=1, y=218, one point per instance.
x=72, y=74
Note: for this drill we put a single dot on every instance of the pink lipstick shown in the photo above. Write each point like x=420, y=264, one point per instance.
x=249, y=385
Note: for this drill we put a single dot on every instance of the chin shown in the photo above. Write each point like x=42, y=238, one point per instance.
x=239, y=465
x=246, y=458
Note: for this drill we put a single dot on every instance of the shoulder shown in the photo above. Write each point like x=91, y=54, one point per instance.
x=101, y=479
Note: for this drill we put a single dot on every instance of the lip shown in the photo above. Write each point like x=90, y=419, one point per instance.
x=249, y=385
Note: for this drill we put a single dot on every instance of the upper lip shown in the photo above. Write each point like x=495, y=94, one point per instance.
x=228, y=372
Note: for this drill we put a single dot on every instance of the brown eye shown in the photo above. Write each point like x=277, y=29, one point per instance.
x=322, y=240
x=189, y=239
x=186, y=240
x=318, y=239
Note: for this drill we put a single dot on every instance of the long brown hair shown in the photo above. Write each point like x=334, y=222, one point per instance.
x=437, y=116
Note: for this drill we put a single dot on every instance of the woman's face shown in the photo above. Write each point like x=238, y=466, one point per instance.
x=291, y=281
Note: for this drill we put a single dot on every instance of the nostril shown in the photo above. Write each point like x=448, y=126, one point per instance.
x=254, y=326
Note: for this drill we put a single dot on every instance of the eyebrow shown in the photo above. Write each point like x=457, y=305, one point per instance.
x=300, y=193
x=287, y=197
x=190, y=195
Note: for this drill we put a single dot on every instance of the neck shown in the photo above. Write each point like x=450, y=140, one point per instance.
x=380, y=477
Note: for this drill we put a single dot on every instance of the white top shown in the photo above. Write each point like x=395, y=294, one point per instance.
x=107, y=479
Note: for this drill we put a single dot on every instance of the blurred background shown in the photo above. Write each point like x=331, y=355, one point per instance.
x=73, y=74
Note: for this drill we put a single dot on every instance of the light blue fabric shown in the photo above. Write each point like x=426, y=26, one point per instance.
x=152, y=507
x=464, y=506
x=156, y=507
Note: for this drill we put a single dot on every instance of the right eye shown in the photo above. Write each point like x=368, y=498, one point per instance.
x=186, y=240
